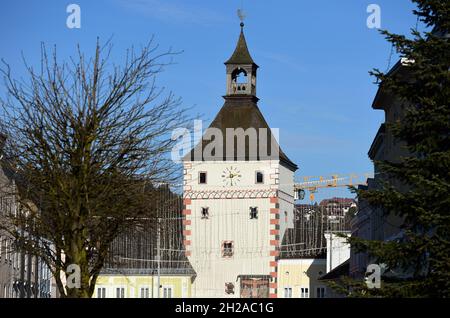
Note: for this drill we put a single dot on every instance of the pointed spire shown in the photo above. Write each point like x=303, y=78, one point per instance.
x=241, y=55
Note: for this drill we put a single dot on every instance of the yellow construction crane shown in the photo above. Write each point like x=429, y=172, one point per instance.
x=312, y=184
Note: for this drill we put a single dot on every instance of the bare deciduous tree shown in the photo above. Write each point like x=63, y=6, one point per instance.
x=85, y=141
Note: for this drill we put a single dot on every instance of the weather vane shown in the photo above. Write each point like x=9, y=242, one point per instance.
x=241, y=15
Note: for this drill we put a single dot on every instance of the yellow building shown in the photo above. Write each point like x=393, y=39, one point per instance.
x=298, y=278
x=174, y=283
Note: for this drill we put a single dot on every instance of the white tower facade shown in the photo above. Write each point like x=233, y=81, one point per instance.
x=239, y=204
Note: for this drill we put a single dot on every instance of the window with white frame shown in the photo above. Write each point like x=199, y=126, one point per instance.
x=202, y=177
x=205, y=213
x=145, y=292
x=229, y=288
x=6, y=250
x=253, y=212
x=259, y=177
x=320, y=292
x=167, y=292
x=101, y=292
x=287, y=292
x=227, y=248
x=18, y=260
x=304, y=292
x=120, y=292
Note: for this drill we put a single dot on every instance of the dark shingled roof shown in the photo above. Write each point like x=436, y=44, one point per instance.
x=241, y=111
x=241, y=55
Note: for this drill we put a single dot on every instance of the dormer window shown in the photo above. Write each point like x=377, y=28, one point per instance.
x=202, y=177
x=205, y=213
x=259, y=177
x=253, y=212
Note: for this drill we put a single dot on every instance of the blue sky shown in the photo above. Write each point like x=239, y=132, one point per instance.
x=314, y=58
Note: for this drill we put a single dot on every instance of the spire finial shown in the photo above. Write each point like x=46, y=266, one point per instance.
x=241, y=55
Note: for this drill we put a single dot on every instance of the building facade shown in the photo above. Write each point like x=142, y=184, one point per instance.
x=238, y=199
x=144, y=284
x=371, y=223
x=313, y=248
x=149, y=254
x=22, y=275
x=298, y=278
x=338, y=250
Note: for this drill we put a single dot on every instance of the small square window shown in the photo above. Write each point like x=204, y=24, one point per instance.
x=253, y=212
x=205, y=213
x=227, y=249
x=259, y=177
x=229, y=288
x=202, y=178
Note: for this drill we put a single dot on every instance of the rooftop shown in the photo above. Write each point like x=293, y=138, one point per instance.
x=241, y=54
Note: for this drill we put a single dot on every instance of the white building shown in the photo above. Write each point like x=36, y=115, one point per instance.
x=299, y=278
x=338, y=249
x=22, y=275
x=238, y=200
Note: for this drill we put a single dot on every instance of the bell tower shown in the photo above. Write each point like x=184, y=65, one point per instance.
x=241, y=70
x=238, y=202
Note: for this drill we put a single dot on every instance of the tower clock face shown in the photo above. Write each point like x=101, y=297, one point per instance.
x=231, y=176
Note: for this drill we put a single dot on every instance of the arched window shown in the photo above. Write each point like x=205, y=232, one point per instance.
x=239, y=76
